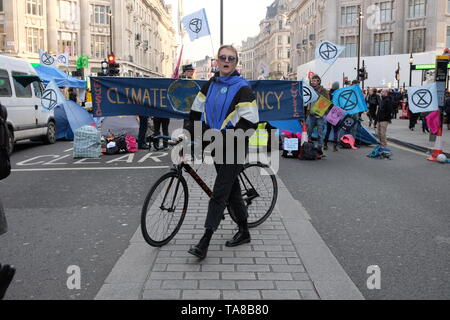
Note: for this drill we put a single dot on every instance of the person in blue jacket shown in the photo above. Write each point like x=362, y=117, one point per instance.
x=226, y=102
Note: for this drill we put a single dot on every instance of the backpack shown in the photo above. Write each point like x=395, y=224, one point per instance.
x=308, y=152
x=5, y=162
x=131, y=144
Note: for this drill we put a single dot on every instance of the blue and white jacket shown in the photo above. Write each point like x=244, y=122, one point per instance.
x=226, y=103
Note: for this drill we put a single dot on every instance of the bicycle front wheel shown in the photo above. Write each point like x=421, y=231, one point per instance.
x=164, y=209
x=259, y=189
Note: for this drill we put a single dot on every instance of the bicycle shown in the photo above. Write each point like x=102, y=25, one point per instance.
x=166, y=204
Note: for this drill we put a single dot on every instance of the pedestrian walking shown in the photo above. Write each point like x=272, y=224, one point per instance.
x=423, y=117
x=162, y=125
x=226, y=102
x=373, y=101
x=315, y=120
x=447, y=109
x=143, y=127
x=384, y=116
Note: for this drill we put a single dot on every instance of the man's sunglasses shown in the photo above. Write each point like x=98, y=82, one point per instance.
x=230, y=58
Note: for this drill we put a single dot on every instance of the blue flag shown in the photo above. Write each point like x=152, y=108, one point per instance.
x=351, y=99
x=196, y=24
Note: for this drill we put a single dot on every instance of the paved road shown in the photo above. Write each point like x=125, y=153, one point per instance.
x=393, y=214
x=71, y=217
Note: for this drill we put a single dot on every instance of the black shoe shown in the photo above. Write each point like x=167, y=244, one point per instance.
x=201, y=249
x=6, y=275
x=242, y=237
x=144, y=146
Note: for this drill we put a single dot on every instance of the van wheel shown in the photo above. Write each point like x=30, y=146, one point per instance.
x=10, y=141
x=50, y=137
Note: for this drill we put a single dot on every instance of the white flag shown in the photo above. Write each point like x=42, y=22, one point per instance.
x=309, y=94
x=423, y=99
x=328, y=52
x=63, y=58
x=46, y=59
x=52, y=97
x=196, y=24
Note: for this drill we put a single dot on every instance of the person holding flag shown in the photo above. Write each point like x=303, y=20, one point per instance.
x=314, y=119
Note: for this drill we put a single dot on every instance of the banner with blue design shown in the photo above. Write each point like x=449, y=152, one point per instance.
x=351, y=99
x=173, y=98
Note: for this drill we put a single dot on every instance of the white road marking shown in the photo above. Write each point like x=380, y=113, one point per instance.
x=88, y=169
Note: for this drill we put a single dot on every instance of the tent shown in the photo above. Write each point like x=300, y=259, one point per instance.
x=62, y=79
x=362, y=135
x=69, y=117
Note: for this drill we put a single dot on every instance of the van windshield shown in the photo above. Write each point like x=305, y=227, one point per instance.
x=5, y=86
x=21, y=91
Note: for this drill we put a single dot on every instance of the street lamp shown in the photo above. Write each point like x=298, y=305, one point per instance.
x=110, y=31
x=411, y=61
x=361, y=17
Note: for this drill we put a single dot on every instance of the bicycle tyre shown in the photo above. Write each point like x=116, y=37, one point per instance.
x=170, y=182
x=256, y=214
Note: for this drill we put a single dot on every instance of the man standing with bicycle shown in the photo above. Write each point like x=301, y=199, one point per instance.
x=226, y=102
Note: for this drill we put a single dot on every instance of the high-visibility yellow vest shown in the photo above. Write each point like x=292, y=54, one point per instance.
x=261, y=136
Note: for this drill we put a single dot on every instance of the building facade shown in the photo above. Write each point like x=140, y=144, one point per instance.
x=268, y=53
x=388, y=27
x=140, y=33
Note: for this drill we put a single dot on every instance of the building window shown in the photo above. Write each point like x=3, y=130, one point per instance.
x=350, y=15
x=100, y=14
x=280, y=24
x=34, y=7
x=417, y=8
x=67, y=42
x=386, y=11
x=289, y=38
x=448, y=6
x=100, y=46
x=280, y=53
x=350, y=46
x=35, y=39
x=448, y=38
x=383, y=44
x=280, y=40
x=1, y=5
x=416, y=40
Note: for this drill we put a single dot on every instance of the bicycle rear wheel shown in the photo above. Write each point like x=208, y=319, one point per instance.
x=164, y=209
x=259, y=191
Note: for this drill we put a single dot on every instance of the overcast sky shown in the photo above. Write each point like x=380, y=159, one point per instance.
x=241, y=20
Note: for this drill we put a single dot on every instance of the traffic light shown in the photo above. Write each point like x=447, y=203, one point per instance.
x=105, y=68
x=113, y=66
x=362, y=74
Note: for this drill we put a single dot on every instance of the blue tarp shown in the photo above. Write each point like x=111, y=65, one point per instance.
x=62, y=79
x=69, y=117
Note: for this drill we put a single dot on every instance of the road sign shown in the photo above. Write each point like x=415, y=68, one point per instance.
x=441, y=78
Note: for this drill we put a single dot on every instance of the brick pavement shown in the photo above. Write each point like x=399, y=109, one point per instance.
x=267, y=268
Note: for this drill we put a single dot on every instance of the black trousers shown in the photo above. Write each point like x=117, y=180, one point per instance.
x=143, y=126
x=226, y=190
x=164, y=124
x=335, y=133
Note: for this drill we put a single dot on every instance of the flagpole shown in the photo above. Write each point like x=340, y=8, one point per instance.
x=327, y=70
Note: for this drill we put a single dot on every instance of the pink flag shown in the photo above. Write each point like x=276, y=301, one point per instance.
x=176, y=72
x=434, y=121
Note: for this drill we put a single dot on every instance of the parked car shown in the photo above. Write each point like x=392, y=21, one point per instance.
x=26, y=117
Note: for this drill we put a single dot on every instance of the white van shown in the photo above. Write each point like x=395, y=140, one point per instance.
x=26, y=119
